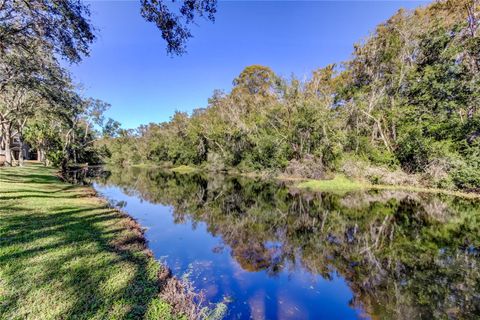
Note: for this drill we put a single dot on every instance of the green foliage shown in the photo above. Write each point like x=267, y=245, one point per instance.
x=158, y=309
x=466, y=174
x=35, y=34
x=414, y=151
x=68, y=135
x=263, y=124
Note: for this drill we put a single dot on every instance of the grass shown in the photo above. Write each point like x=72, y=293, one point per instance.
x=183, y=169
x=64, y=254
x=338, y=184
x=341, y=184
x=149, y=165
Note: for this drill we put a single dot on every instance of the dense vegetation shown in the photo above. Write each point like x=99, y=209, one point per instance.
x=404, y=255
x=402, y=110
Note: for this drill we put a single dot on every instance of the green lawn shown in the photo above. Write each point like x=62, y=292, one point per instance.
x=65, y=255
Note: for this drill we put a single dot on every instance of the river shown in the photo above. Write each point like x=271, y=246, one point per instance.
x=271, y=251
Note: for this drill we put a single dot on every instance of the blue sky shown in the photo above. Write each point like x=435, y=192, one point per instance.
x=129, y=68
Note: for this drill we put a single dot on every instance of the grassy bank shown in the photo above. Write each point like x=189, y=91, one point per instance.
x=64, y=254
x=342, y=184
x=165, y=166
x=338, y=184
x=184, y=169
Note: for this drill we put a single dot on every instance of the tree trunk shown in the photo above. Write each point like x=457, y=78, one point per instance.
x=8, y=153
x=20, y=153
x=471, y=112
x=64, y=165
x=41, y=155
x=6, y=141
x=75, y=156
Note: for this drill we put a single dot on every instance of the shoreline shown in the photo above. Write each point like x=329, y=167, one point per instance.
x=325, y=185
x=339, y=183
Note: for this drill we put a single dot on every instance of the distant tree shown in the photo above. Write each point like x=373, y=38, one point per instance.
x=406, y=101
x=255, y=80
x=111, y=128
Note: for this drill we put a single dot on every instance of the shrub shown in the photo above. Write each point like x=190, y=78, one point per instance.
x=308, y=167
x=467, y=175
x=437, y=173
x=413, y=151
x=362, y=170
x=215, y=162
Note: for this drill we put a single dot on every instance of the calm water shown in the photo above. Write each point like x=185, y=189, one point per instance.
x=275, y=252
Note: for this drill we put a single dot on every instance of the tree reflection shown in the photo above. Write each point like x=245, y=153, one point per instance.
x=404, y=255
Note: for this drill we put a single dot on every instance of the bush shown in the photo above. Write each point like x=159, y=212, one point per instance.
x=414, y=151
x=269, y=152
x=437, y=173
x=466, y=177
x=215, y=162
x=378, y=155
x=308, y=167
x=362, y=170
x=55, y=157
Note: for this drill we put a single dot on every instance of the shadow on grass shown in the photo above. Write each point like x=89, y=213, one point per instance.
x=33, y=194
x=80, y=251
x=56, y=190
x=27, y=175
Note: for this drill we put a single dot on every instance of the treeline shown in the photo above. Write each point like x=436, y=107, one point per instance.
x=403, y=109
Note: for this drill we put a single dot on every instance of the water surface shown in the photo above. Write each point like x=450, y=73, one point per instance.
x=274, y=252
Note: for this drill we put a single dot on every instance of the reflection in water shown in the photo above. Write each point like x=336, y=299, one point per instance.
x=279, y=253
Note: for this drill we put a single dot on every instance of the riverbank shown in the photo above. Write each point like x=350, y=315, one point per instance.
x=338, y=183
x=342, y=184
x=64, y=253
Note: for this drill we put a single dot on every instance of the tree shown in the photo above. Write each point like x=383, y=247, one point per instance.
x=64, y=25
x=29, y=88
x=255, y=80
